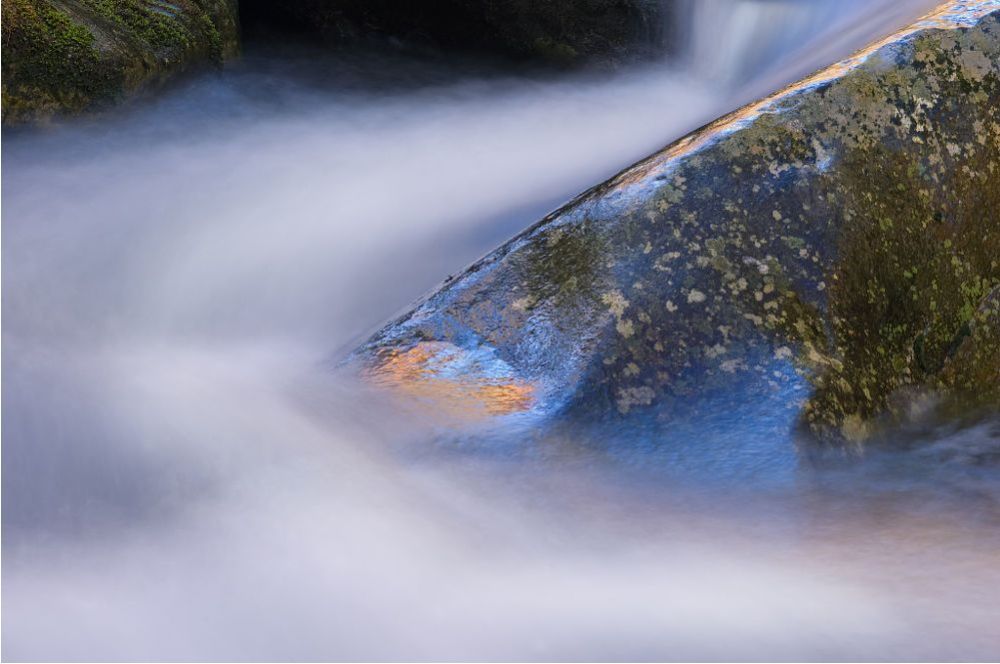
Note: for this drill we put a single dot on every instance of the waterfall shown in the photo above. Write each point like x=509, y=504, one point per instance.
x=731, y=41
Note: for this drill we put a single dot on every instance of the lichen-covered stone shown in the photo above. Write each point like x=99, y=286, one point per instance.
x=68, y=56
x=844, y=231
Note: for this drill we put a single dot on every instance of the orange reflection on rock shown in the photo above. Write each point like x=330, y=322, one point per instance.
x=449, y=380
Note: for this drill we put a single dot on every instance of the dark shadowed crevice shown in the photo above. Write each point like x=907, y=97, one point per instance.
x=602, y=33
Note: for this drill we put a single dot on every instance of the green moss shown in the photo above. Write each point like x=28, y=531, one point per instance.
x=216, y=48
x=564, y=265
x=159, y=28
x=915, y=256
x=971, y=376
x=913, y=270
x=50, y=62
x=93, y=52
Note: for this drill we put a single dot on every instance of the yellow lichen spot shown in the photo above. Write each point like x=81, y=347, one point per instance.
x=715, y=351
x=616, y=303
x=696, y=296
x=625, y=328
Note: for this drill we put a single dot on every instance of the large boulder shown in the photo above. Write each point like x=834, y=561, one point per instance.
x=559, y=32
x=67, y=56
x=843, y=234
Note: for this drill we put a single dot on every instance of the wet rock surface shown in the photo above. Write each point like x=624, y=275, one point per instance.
x=842, y=235
x=68, y=56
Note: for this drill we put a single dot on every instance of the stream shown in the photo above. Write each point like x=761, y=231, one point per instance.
x=185, y=478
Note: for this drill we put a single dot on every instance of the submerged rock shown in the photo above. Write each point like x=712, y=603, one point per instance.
x=843, y=233
x=67, y=56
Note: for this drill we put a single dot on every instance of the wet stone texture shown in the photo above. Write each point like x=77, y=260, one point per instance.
x=843, y=233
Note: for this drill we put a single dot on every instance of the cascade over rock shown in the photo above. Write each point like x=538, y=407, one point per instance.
x=843, y=233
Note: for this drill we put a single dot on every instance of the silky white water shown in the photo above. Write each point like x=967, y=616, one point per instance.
x=184, y=477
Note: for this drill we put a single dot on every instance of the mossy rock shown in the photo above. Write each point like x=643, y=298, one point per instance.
x=68, y=56
x=842, y=234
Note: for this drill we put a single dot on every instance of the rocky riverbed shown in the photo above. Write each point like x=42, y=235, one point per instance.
x=207, y=455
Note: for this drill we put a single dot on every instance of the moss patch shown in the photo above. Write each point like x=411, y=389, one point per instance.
x=62, y=57
x=50, y=62
x=914, y=270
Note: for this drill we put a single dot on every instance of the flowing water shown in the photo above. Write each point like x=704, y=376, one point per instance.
x=184, y=478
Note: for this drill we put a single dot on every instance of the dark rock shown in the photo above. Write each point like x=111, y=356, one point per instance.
x=68, y=56
x=844, y=231
x=555, y=32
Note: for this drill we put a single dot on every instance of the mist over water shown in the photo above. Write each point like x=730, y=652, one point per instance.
x=185, y=478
